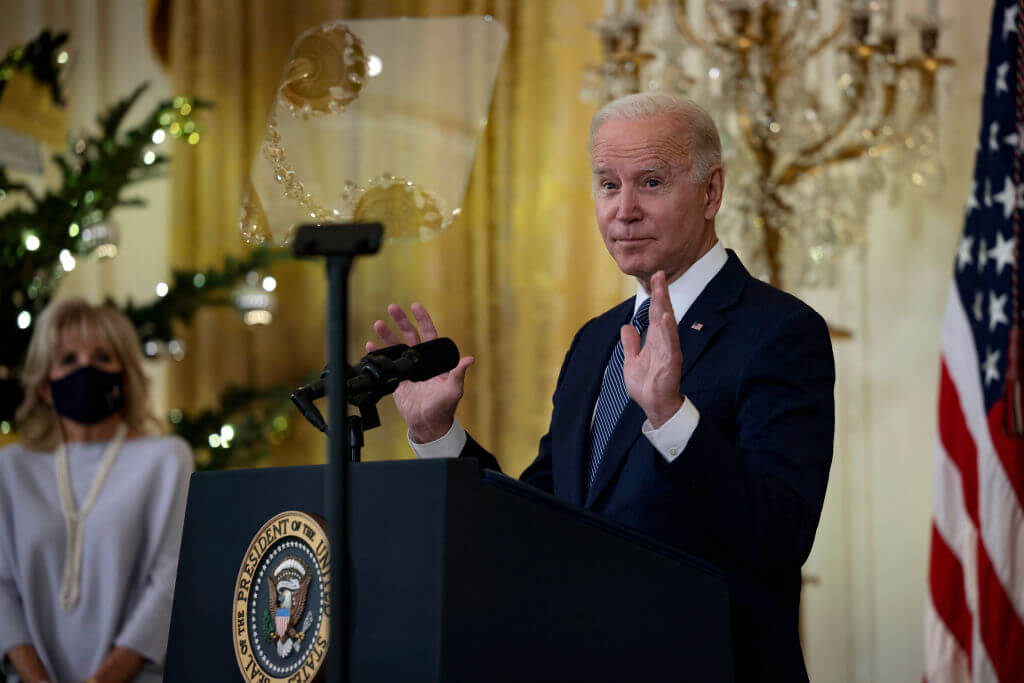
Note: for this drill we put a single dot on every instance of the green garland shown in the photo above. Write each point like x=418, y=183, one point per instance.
x=42, y=58
x=241, y=430
x=35, y=232
x=190, y=290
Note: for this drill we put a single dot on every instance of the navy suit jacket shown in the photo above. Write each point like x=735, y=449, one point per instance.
x=746, y=493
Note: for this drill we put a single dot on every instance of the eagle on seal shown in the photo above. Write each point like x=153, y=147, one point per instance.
x=287, y=606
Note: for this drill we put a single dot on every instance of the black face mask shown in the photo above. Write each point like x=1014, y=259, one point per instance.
x=88, y=395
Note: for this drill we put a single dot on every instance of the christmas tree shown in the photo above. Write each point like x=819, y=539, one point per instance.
x=43, y=235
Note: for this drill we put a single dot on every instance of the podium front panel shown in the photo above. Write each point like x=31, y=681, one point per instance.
x=455, y=579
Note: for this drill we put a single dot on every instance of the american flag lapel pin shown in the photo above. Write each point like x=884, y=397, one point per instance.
x=697, y=326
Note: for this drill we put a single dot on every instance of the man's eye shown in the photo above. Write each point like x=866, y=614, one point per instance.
x=608, y=185
x=652, y=182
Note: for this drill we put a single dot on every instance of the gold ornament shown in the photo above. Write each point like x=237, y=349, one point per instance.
x=406, y=210
x=326, y=72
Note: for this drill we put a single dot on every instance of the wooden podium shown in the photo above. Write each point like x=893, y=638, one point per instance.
x=460, y=575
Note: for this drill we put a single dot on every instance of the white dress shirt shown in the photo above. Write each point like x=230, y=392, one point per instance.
x=672, y=437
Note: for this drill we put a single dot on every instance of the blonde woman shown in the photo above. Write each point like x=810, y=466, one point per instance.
x=91, y=508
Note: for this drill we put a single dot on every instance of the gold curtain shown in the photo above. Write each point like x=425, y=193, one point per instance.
x=511, y=281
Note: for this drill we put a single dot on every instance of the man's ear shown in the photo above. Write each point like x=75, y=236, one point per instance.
x=713, y=192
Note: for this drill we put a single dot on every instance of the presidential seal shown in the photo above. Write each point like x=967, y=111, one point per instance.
x=282, y=601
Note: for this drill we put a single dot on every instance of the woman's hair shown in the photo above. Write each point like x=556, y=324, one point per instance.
x=38, y=422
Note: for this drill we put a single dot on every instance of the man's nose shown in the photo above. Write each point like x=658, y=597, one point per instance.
x=628, y=207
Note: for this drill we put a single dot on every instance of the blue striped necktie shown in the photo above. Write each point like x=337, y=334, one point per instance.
x=612, y=400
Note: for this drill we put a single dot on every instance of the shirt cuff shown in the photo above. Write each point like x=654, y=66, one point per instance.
x=672, y=437
x=448, y=446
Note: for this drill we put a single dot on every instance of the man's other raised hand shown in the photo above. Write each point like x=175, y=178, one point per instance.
x=652, y=373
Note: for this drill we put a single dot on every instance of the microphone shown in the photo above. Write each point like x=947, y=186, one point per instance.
x=379, y=373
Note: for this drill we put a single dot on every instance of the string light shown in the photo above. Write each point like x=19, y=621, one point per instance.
x=373, y=65
x=198, y=280
x=176, y=349
x=149, y=157
x=73, y=230
x=214, y=440
x=24, y=320
x=159, y=136
x=161, y=289
x=67, y=261
x=269, y=283
x=5, y=427
x=31, y=241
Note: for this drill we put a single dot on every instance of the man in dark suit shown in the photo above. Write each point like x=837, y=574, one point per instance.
x=703, y=414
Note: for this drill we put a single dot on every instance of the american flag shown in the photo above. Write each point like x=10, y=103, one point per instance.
x=974, y=614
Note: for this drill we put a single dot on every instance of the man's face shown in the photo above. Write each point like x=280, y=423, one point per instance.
x=651, y=214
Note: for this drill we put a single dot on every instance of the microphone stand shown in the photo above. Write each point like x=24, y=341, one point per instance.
x=340, y=243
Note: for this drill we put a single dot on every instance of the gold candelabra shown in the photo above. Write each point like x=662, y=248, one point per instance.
x=814, y=112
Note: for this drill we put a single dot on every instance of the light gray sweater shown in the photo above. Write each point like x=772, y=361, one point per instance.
x=130, y=547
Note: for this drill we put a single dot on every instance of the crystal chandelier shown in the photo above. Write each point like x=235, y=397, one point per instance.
x=814, y=112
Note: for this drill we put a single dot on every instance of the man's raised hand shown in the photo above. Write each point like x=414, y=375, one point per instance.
x=652, y=373
x=427, y=407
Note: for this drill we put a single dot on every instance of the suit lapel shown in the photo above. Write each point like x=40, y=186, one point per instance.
x=584, y=380
x=703, y=321
x=722, y=292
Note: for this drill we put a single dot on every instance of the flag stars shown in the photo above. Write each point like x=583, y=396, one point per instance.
x=993, y=136
x=1010, y=21
x=972, y=200
x=1007, y=197
x=979, y=306
x=1003, y=253
x=1016, y=139
x=982, y=256
x=963, y=254
x=987, y=198
x=1001, y=72
x=989, y=366
x=996, y=314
